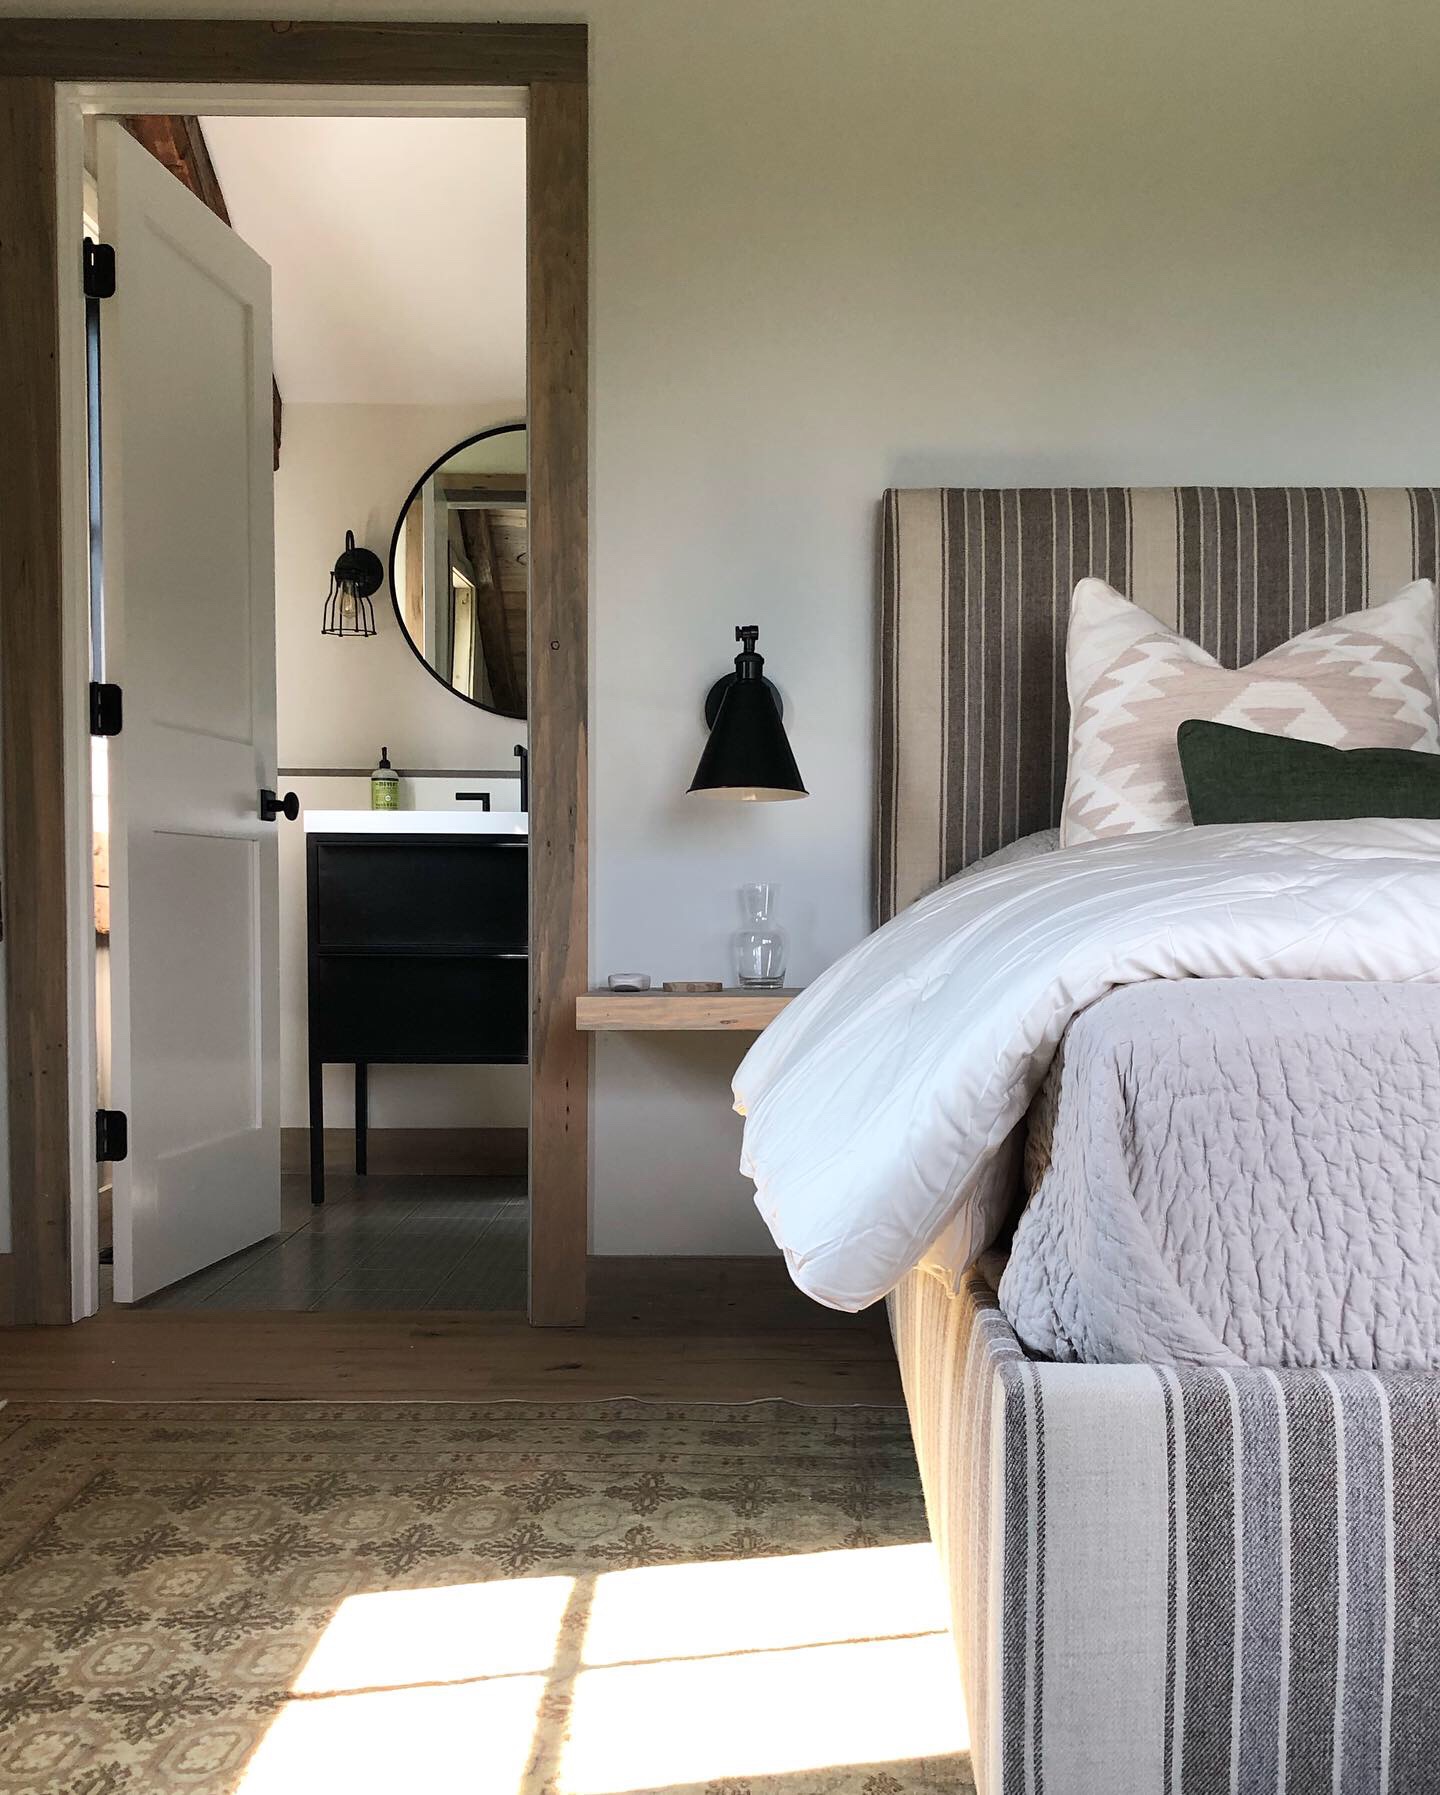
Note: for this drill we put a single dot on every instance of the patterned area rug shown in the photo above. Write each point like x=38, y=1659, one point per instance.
x=508, y=1598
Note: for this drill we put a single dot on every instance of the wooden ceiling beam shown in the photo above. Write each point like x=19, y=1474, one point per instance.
x=179, y=142
x=408, y=53
x=505, y=682
x=480, y=489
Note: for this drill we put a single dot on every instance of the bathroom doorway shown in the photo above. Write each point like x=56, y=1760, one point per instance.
x=411, y=1143
x=392, y=408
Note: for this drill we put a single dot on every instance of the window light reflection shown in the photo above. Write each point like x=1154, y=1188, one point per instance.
x=427, y=1741
x=695, y=1720
x=397, y=1637
x=688, y=1673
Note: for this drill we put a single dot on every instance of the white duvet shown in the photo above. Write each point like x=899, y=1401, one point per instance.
x=879, y=1105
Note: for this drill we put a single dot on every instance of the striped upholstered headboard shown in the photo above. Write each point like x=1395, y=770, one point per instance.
x=975, y=596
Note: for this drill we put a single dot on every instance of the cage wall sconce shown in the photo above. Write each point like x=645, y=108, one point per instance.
x=356, y=575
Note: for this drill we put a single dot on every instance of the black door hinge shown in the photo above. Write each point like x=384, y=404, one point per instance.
x=97, y=269
x=112, y=1135
x=107, y=709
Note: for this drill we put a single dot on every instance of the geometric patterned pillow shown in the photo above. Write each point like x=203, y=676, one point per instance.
x=1367, y=680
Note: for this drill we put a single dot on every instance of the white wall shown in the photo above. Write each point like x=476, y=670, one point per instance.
x=396, y=250
x=351, y=467
x=838, y=247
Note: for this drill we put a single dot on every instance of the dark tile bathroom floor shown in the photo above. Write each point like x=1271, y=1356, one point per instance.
x=375, y=1243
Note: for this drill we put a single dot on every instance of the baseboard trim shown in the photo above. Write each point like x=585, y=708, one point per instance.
x=419, y=1152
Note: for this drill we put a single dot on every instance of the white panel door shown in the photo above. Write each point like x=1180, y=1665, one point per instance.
x=188, y=538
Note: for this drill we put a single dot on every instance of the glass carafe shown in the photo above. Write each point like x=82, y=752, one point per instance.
x=759, y=943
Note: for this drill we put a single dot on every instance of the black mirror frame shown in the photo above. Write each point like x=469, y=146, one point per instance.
x=414, y=494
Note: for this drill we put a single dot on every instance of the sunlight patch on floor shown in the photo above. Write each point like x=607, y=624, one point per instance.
x=760, y=1604
x=426, y=1741
x=762, y=1666
x=628, y=1681
x=399, y=1637
x=654, y=1725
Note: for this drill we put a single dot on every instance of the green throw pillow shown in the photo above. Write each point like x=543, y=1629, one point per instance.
x=1241, y=776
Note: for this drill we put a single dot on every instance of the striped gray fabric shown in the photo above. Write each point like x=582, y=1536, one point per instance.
x=975, y=594
x=1192, y=1582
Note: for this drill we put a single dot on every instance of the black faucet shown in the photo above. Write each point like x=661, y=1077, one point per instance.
x=522, y=754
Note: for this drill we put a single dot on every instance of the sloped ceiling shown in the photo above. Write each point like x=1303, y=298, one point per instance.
x=397, y=248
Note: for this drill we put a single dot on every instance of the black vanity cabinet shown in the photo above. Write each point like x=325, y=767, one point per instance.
x=418, y=953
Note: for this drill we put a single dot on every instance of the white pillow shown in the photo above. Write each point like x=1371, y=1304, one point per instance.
x=1366, y=680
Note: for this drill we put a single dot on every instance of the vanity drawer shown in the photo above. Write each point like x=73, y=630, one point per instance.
x=421, y=1006
x=470, y=892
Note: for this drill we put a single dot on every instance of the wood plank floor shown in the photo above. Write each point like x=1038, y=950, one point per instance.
x=715, y=1330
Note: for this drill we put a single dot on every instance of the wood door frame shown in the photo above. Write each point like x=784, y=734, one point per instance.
x=42, y=700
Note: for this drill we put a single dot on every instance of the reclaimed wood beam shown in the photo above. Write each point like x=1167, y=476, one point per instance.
x=35, y=1275
x=410, y=53
x=490, y=613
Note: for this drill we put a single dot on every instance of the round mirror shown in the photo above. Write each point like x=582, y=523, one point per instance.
x=459, y=569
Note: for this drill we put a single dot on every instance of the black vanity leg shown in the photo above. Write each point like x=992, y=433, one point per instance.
x=317, y=1131
x=362, y=1114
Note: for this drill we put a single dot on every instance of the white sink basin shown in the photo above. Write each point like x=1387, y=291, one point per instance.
x=417, y=822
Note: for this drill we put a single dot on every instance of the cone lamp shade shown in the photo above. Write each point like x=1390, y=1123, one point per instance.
x=748, y=754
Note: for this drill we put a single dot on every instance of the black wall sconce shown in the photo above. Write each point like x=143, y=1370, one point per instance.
x=748, y=754
x=348, y=611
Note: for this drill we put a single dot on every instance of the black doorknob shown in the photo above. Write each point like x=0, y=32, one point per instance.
x=272, y=806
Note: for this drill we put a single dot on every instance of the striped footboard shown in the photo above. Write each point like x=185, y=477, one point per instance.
x=1179, y=1581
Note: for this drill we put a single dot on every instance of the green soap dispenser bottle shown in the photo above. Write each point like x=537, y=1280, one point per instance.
x=384, y=785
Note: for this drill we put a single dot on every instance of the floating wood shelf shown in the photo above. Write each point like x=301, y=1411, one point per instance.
x=603, y=1012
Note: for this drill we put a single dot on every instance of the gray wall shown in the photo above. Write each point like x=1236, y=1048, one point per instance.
x=838, y=247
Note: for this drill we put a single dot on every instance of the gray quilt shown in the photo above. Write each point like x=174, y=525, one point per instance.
x=1237, y=1171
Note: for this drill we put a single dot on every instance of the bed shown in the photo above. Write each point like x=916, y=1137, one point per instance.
x=1164, y=1576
